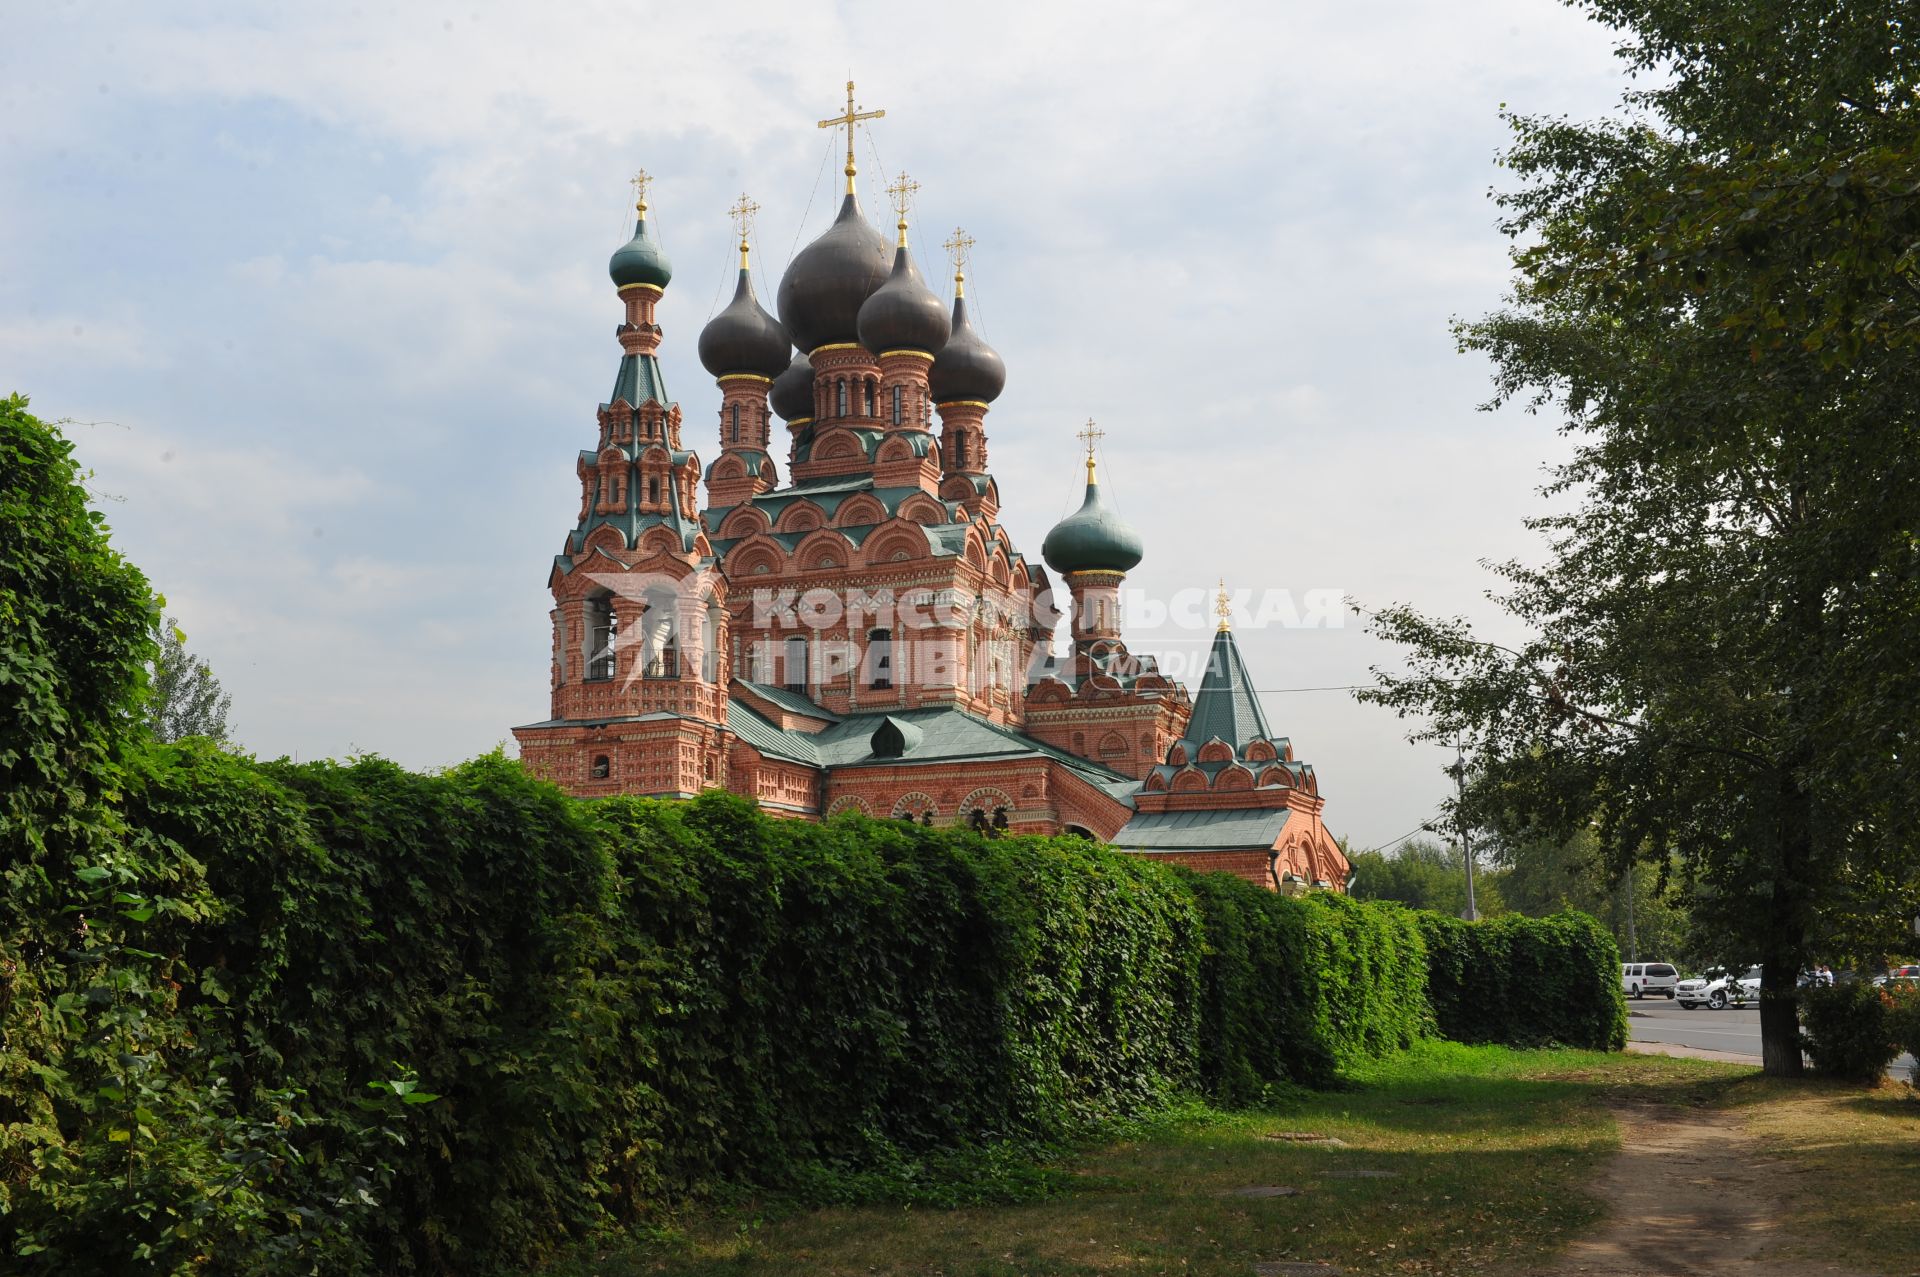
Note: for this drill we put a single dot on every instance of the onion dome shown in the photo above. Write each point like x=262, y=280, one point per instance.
x=744, y=337
x=792, y=393
x=903, y=313
x=640, y=260
x=829, y=280
x=1092, y=538
x=966, y=368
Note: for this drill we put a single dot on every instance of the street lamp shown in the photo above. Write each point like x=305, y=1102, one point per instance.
x=1459, y=773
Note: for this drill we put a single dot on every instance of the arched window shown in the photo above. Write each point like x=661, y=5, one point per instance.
x=793, y=660
x=840, y=389
x=653, y=492
x=959, y=450
x=879, y=660
x=896, y=405
x=662, y=646
x=736, y=423
x=870, y=411
x=602, y=636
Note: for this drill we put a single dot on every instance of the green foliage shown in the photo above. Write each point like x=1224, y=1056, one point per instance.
x=1849, y=1030
x=1903, y=1016
x=1525, y=981
x=1367, y=972
x=185, y=698
x=1423, y=874
x=1715, y=293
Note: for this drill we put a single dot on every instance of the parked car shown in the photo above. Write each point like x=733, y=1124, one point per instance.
x=1639, y=979
x=1908, y=974
x=1719, y=991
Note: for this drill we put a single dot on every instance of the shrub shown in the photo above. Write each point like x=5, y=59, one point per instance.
x=1903, y=1015
x=1848, y=1030
x=1525, y=981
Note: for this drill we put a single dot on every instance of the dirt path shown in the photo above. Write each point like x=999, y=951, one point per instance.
x=1689, y=1195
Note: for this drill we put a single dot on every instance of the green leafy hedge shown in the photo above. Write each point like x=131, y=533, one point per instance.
x=1525, y=981
x=338, y=1019
x=1851, y=1030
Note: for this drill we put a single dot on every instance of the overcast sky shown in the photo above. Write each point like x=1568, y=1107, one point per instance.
x=323, y=290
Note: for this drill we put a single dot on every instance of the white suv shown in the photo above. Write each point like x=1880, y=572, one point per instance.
x=1718, y=993
x=1639, y=979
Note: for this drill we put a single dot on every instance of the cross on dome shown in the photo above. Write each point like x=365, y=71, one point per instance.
x=959, y=246
x=742, y=213
x=1223, y=607
x=1090, y=435
x=640, y=181
x=902, y=190
x=847, y=119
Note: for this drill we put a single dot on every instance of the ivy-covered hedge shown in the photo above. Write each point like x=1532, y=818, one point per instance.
x=1525, y=981
x=340, y=1019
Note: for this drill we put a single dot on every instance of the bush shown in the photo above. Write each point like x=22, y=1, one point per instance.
x=1525, y=981
x=1903, y=1016
x=1848, y=1029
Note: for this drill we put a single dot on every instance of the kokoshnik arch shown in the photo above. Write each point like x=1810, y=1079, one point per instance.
x=866, y=636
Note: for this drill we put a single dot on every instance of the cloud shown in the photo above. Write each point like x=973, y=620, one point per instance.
x=338, y=273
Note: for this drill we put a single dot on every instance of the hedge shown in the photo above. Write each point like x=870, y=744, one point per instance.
x=267, y=1018
x=1525, y=981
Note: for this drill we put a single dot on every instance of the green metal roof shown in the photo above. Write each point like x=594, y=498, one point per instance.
x=1226, y=704
x=639, y=380
x=768, y=738
x=792, y=702
x=1234, y=830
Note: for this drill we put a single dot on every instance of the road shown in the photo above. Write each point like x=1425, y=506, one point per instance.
x=1733, y=1030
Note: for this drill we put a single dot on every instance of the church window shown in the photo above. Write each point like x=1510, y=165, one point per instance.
x=736, y=423
x=880, y=660
x=602, y=768
x=870, y=411
x=840, y=389
x=663, y=653
x=602, y=636
x=960, y=450
x=793, y=659
x=896, y=405
x=653, y=491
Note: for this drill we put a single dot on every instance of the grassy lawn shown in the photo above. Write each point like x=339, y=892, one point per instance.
x=1854, y=1154
x=1448, y=1159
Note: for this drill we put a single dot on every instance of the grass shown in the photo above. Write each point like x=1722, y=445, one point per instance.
x=1451, y=1159
x=1854, y=1194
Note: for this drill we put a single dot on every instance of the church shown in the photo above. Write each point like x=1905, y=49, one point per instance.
x=845, y=625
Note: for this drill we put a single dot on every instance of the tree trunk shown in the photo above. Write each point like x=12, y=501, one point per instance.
x=1780, y=1015
x=1785, y=950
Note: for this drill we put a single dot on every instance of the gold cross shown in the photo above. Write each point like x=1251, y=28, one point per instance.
x=1091, y=435
x=852, y=117
x=959, y=248
x=1222, y=608
x=742, y=212
x=640, y=181
x=902, y=190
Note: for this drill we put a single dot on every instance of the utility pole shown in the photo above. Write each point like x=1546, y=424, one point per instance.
x=1459, y=771
x=1633, y=936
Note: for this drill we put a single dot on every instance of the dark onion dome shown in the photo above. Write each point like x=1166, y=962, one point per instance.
x=793, y=391
x=639, y=260
x=1092, y=538
x=903, y=313
x=744, y=337
x=966, y=367
x=828, y=281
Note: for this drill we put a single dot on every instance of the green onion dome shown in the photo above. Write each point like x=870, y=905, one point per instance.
x=1092, y=538
x=640, y=260
x=830, y=279
x=792, y=394
x=966, y=367
x=903, y=313
x=744, y=337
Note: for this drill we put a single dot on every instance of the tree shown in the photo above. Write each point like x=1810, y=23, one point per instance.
x=186, y=698
x=1423, y=875
x=1718, y=292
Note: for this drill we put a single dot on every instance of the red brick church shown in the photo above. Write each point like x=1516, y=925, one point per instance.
x=846, y=626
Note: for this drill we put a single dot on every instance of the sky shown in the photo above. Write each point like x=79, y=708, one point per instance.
x=321, y=293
